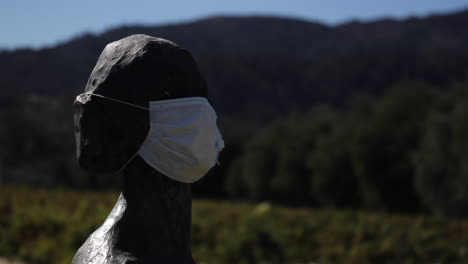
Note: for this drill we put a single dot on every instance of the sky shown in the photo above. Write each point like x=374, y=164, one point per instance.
x=41, y=23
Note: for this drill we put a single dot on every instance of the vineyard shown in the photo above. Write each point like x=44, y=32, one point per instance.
x=44, y=226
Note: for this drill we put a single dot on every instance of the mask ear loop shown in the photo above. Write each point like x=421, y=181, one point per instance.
x=126, y=103
x=115, y=100
x=126, y=163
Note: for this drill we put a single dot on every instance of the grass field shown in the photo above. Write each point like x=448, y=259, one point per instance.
x=44, y=226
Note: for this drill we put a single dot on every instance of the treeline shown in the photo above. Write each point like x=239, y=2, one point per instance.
x=405, y=151
x=36, y=142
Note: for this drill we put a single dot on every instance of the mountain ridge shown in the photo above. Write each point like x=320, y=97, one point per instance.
x=215, y=17
x=268, y=65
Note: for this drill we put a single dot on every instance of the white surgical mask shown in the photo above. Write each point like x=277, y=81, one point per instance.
x=183, y=141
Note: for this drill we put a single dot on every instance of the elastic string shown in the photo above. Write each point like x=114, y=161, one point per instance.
x=118, y=101
x=126, y=163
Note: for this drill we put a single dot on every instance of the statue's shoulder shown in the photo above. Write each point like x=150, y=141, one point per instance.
x=99, y=247
x=96, y=249
x=99, y=250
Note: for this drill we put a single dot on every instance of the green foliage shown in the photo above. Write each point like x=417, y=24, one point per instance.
x=49, y=226
x=441, y=162
x=329, y=164
x=382, y=143
x=273, y=166
x=46, y=226
x=404, y=151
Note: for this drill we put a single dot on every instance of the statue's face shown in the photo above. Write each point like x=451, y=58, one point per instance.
x=90, y=130
x=107, y=133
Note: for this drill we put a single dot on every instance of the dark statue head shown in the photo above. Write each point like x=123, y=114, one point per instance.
x=137, y=69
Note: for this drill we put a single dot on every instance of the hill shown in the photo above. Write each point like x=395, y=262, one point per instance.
x=259, y=67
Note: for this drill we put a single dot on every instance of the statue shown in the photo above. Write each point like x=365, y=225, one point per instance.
x=151, y=221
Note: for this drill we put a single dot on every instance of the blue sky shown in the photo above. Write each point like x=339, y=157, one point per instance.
x=39, y=23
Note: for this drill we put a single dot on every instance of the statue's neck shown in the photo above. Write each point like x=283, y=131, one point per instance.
x=156, y=220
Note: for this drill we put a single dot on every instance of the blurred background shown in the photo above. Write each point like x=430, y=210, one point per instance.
x=345, y=122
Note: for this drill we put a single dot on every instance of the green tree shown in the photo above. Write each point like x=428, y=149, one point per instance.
x=333, y=181
x=273, y=164
x=382, y=146
x=441, y=162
